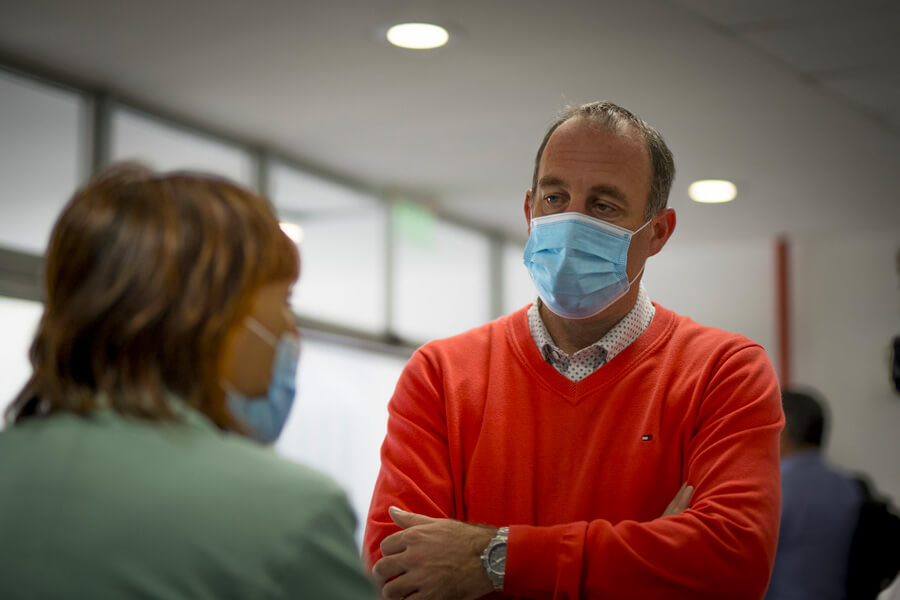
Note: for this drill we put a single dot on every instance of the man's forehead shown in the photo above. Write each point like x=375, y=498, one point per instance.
x=580, y=142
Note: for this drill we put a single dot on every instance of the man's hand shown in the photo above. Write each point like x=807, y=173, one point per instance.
x=433, y=559
x=440, y=559
x=681, y=501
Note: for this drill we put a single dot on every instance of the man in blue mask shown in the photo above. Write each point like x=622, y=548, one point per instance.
x=593, y=444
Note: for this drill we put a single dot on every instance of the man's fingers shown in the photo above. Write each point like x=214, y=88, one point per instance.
x=684, y=499
x=387, y=568
x=681, y=501
x=407, y=519
x=398, y=588
x=393, y=544
x=672, y=508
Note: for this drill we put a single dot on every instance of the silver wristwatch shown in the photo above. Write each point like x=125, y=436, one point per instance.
x=494, y=558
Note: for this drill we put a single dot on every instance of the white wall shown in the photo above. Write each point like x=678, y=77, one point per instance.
x=846, y=311
x=726, y=286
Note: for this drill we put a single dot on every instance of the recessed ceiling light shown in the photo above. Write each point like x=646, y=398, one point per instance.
x=418, y=36
x=293, y=231
x=712, y=191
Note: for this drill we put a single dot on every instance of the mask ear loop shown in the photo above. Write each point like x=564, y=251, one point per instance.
x=636, y=231
x=260, y=330
x=638, y=275
x=264, y=334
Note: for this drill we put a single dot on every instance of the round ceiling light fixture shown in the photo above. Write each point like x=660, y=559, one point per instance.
x=417, y=36
x=712, y=191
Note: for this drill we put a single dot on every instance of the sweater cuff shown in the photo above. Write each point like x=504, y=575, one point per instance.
x=542, y=560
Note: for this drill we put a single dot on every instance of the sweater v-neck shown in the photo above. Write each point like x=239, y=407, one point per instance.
x=519, y=337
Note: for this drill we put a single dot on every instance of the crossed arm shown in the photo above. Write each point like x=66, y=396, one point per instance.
x=439, y=559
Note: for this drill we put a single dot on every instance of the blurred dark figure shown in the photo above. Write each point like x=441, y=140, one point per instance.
x=895, y=349
x=884, y=523
x=132, y=467
x=875, y=553
x=820, y=508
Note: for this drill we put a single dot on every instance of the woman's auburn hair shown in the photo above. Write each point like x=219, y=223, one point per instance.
x=147, y=277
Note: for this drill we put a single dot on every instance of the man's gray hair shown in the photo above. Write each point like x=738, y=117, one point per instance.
x=619, y=120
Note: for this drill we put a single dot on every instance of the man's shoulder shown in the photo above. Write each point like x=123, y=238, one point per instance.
x=473, y=343
x=687, y=335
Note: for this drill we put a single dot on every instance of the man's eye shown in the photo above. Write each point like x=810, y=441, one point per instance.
x=552, y=199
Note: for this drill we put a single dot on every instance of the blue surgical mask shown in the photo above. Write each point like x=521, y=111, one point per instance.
x=265, y=416
x=578, y=263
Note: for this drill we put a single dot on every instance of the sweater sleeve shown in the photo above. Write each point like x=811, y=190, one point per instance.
x=415, y=465
x=722, y=547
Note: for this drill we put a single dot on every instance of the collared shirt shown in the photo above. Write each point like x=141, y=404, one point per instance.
x=579, y=365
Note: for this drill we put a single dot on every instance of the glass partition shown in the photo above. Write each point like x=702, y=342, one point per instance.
x=40, y=158
x=165, y=147
x=441, y=279
x=342, y=236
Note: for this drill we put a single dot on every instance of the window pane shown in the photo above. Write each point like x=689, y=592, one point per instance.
x=441, y=281
x=339, y=419
x=39, y=159
x=18, y=322
x=165, y=147
x=518, y=289
x=342, y=248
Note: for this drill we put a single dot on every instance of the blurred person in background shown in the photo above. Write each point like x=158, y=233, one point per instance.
x=135, y=463
x=893, y=591
x=534, y=456
x=820, y=509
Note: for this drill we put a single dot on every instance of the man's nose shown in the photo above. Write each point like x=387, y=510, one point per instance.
x=579, y=205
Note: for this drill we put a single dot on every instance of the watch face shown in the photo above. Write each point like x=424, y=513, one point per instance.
x=497, y=558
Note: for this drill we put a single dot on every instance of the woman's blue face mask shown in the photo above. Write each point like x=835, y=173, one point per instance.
x=266, y=416
x=578, y=263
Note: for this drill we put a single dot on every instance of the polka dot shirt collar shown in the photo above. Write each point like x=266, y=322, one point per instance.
x=579, y=365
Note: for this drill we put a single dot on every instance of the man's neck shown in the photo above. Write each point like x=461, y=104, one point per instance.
x=570, y=335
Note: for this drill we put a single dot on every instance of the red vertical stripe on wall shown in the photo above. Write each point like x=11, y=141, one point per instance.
x=783, y=309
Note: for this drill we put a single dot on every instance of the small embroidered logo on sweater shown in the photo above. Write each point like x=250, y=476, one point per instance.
x=647, y=437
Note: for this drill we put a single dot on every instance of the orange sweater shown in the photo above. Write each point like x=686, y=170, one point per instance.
x=481, y=429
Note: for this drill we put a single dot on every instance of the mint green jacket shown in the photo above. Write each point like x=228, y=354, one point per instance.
x=111, y=507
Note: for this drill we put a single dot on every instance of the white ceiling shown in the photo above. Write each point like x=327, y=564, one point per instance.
x=797, y=102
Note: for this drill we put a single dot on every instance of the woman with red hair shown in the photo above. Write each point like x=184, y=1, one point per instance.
x=135, y=462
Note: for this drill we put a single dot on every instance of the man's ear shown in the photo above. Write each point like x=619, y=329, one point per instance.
x=662, y=227
x=527, y=208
